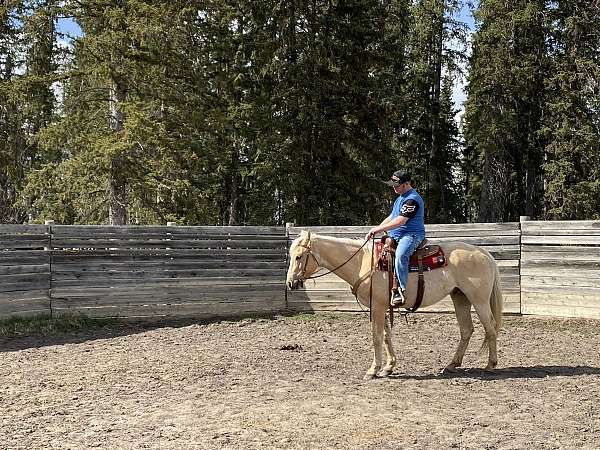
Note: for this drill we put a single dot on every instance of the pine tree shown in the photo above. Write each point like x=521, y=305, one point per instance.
x=29, y=64
x=12, y=137
x=572, y=123
x=504, y=107
x=426, y=149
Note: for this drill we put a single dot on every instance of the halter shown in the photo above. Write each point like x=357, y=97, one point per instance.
x=308, y=254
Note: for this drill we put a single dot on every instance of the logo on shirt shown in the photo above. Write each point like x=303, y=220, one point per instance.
x=406, y=209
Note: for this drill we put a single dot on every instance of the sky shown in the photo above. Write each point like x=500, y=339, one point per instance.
x=68, y=26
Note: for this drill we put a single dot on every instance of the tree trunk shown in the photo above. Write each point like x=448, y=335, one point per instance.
x=493, y=203
x=234, y=183
x=117, y=179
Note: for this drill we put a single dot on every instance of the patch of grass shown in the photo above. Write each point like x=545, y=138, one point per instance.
x=46, y=325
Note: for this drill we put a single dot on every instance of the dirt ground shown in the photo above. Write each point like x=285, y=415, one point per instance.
x=296, y=383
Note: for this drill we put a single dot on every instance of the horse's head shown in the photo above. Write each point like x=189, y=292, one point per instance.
x=302, y=262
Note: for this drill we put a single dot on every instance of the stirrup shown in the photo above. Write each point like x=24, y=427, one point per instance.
x=397, y=299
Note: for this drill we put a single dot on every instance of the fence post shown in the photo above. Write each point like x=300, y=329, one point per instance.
x=169, y=224
x=49, y=224
x=288, y=225
x=522, y=219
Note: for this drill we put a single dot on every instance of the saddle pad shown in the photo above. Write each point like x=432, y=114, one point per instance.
x=430, y=262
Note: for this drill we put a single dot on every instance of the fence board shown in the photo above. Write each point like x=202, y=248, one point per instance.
x=558, y=225
x=24, y=269
x=27, y=306
x=170, y=264
x=93, y=230
x=194, y=309
x=23, y=229
x=565, y=305
x=562, y=240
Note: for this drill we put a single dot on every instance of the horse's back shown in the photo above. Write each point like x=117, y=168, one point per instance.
x=468, y=260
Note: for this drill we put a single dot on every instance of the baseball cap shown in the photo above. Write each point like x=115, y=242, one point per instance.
x=399, y=177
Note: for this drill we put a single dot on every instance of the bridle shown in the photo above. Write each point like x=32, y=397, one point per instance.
x=308, y=253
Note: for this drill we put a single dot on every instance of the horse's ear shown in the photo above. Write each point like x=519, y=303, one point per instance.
x=305, y=236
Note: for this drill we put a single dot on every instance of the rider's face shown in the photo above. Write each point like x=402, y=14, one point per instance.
x=402, y=188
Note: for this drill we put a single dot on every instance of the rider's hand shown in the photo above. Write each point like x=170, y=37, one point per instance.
x=372, y=232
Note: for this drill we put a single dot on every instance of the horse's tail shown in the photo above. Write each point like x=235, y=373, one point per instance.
x=496, y=302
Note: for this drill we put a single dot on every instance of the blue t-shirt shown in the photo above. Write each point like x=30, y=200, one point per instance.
x=411, y=205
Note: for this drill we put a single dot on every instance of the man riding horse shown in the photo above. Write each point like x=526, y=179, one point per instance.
x=406, y=226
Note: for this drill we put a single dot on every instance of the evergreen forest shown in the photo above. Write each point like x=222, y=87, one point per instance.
x=220, y=112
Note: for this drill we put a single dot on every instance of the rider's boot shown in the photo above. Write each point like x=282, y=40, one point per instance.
x=398, y=298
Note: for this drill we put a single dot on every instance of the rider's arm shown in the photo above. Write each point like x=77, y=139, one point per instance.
x=390, y=224
x=387, y=224
x=408, y=210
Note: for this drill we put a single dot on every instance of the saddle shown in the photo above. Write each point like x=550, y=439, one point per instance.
x=432, y=256
x=426, y=257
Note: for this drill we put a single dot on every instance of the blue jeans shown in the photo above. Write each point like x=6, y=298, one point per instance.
x=407, y=245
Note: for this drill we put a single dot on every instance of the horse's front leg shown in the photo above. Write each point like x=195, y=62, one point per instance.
x=389, y=350
x=377, y=328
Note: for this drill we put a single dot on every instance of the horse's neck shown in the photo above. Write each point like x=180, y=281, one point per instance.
x=331, y=253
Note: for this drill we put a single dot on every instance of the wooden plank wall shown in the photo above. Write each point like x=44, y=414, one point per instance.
x=135, y=271
x=24, y=270
x=500, y=239
x=218, y=271
x=560, y=268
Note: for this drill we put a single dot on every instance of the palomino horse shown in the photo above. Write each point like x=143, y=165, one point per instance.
x=470, y=278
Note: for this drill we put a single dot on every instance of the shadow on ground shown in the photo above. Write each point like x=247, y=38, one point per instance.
x=505, y=373
x=114, y=328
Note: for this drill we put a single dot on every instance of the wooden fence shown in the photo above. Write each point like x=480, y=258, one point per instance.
x=500, y=239
x=154, y=271
x=560, y=268
x=137, y=271
x=547, y=268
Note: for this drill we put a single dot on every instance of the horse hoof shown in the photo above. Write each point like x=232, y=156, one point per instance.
x=385, y=373
x=369, y=376
x=450, y=368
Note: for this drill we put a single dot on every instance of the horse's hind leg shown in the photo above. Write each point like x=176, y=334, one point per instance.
x=489, y=324
x=462, y=307
x=389, y=350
